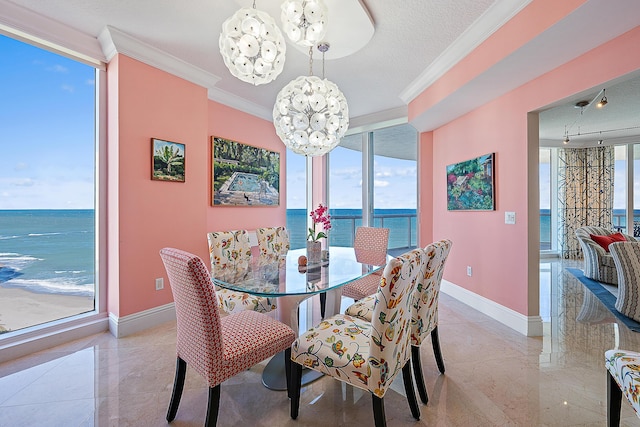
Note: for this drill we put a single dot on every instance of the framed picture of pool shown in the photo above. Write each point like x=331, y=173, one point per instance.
x=470, y=184
x=167, y=160
x=244, y=175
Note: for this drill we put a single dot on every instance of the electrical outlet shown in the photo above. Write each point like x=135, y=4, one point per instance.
x=469, y=270
x=159, y=284
x=509, y=217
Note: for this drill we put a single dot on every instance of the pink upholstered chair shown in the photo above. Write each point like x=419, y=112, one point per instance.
x=217, y=347
x=368, y=242
x=232, y=248
x=367, y=355
x=272, y=242
x=424, y=317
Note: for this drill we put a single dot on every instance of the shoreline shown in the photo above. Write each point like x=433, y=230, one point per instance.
x=20, y=308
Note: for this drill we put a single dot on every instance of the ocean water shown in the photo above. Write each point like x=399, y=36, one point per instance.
x=48, y=251
x=401, y=223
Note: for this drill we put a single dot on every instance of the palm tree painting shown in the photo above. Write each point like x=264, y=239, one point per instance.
x=470, y=184
x=168, y=160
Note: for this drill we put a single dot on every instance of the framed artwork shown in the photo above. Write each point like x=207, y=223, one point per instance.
x=244, y=175
x=470, y=184
x=167, y=160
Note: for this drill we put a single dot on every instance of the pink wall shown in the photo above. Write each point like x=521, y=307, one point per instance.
x=500, y=254
x=146, y=215
x=225, y=122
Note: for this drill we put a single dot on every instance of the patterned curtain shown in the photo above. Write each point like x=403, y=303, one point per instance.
x=585, y=194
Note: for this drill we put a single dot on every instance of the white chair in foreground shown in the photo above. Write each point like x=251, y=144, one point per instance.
x=367, y=355
x=623, y=368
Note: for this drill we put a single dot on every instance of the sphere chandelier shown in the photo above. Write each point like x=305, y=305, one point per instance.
x=311, y=114
x=252, y=46
x=304, y=22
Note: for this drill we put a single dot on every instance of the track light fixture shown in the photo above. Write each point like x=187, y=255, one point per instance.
x=603, y=100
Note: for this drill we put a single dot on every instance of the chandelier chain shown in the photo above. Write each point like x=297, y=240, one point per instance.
x=254, y=4
x=311, y=60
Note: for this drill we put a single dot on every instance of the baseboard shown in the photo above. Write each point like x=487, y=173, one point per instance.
x=127, y=325
x=21, y=343
x=530, y=326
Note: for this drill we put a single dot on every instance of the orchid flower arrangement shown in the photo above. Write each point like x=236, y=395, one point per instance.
x=319, y=216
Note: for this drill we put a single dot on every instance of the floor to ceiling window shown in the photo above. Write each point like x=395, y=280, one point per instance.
x=620, y=189
x=375, y=173
x=545, y=199
x=47, y=186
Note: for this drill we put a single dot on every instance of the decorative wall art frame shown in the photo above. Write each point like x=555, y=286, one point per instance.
x=470, y=184
x=244, y=175
x=167, y=160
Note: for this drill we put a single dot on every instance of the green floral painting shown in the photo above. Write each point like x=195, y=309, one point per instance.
x=470, y=184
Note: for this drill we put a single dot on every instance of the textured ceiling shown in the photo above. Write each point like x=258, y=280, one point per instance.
x=414, y=40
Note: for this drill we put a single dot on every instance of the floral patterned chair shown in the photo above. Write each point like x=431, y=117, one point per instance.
x=367, y=355
x=424, y=316
x=233, y=248
x=217, y=347
x=626, y=256
x=272, y=242
x=623, y=369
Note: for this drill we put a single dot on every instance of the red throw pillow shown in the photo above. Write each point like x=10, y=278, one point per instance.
x=605, y=241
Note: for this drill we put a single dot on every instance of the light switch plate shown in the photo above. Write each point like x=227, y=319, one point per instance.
x=509, y=217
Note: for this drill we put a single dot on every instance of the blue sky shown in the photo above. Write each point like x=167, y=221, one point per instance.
x=47, y=142
x=47, y=137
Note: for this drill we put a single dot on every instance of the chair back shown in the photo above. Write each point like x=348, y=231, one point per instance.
x=229, y=248
x=424, y=316
x=371, y=245
x=273, y=242
x=391, y=320
x=626, y=256
x=199, y=341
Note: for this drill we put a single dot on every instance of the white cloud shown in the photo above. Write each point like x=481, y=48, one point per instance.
x=68, y=88
x=21, y=166
x=58, y=69
x=22, y=182
x=380, y=183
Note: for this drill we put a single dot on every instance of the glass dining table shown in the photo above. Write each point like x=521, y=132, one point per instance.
x=291, y=284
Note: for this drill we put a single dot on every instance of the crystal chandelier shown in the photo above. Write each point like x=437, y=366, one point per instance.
x=311, y=114
x=252, y=46
x=304, y=22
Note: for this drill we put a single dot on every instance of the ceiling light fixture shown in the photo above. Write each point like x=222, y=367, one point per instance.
x=311, y=114
x=252, y=46
x=603, y=100
x=304, y=22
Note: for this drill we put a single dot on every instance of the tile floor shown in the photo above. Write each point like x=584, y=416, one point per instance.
x=494, y=376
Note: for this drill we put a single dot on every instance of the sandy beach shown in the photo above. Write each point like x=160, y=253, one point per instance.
x=20, y=309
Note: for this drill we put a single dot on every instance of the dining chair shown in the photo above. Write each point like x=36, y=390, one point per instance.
x=272, y=242
x=232, y=248
x=623, y=372
x=369, y=243
x=216, y=347
x=424, y=316
x=367, y=355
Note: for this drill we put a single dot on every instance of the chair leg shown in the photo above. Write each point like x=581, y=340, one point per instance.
x=212, y=407
x=435, y=341
x=408, y=388
x=417, y=374
x=614, y=401
x=379, y=417
x=287, y=369
x=178, y=385
x=323, y=303
x=296, y=383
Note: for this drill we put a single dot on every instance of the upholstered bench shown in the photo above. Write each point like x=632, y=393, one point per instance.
x=624, y=379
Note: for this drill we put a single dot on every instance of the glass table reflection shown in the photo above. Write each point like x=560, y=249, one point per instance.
x=284, y=279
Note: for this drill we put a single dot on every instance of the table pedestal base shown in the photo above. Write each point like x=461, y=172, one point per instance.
x=274, y=376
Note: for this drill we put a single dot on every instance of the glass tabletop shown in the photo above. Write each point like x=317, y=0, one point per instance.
x=284, y=276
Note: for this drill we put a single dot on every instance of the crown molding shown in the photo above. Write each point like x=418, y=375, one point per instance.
x=489, y=22
x=381, y=119
x=234, y=101
x=30, y=27
x=114, y=41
